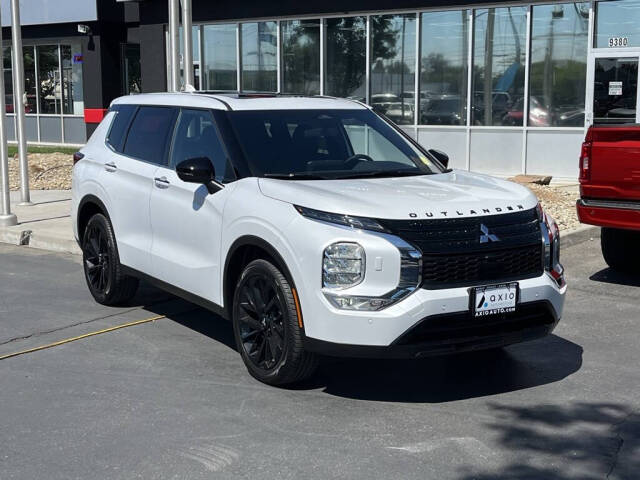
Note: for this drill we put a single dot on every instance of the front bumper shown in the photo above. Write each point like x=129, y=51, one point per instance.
x=405, y=329
x=609, y=213
x=454, y=333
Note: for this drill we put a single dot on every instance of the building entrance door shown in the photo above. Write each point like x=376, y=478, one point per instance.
x=614, y=89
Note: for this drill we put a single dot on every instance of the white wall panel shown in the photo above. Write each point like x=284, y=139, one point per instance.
x=554, y=153
x=497, y=152
x=453, y=142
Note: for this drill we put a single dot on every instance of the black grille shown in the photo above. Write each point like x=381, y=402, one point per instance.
x=454, y=256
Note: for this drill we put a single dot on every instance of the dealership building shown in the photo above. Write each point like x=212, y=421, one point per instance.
x=505, y=87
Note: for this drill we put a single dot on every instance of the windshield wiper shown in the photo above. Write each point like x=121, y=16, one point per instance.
x=383, y=173
x=295, y=176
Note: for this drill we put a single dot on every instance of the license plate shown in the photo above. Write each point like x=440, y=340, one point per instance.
x=495, y=299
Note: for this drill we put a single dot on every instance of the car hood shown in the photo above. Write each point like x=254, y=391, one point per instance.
x=455, y=194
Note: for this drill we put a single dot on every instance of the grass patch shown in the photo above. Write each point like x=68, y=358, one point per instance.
x=13, y=149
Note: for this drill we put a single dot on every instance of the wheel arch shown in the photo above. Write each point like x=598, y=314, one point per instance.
x=242, y=251
x=89, y=206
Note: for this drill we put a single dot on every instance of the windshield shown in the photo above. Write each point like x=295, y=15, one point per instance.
x=325, y=144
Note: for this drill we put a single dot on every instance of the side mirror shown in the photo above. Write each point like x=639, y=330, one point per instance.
x=442, y=157
x=199, y=170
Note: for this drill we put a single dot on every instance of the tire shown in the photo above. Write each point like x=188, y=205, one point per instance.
x=266, y=329
x=102, y=269
x=621, y=249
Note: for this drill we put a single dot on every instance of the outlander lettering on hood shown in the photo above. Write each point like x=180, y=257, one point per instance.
x=483, y=211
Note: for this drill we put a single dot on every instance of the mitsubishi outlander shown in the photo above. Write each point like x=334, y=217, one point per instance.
x=315, y=225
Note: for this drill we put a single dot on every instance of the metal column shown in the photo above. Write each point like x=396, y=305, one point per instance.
x=6, y=217
x=18, y=97
x=173, y=82
x=187, y=32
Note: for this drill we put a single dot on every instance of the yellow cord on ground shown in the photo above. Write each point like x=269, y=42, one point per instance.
x=80, y=337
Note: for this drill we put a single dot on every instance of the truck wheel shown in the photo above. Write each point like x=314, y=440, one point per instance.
x=102, y=269
x=266, y=328
x=620, y=249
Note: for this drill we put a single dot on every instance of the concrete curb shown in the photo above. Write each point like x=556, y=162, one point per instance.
x=28, y=238
x=582, y=234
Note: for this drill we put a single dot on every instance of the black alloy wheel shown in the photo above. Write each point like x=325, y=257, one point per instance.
x=261, y=321
x=102, y=269
x=267, y=326
x=96, y=259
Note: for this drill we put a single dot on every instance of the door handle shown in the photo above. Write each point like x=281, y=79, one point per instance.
x=110, y=167
x=161, y=182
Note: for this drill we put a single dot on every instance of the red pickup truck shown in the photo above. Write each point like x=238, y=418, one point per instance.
x=610, y=192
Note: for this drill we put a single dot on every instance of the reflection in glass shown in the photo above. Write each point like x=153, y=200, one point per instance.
x=49, y=90
x=443, y=69
x=617, y=24
x=346, y=57
x=615, y=90
x=260, y=56
x=131, y=74
x=301, y=56
x=498, y=65
x=220, y=69
x=72, y=97
x=558, y=65
x=393, y=61
x=8, y=81
x=30, y=104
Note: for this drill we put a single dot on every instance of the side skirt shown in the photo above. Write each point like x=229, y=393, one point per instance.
x=178, y=292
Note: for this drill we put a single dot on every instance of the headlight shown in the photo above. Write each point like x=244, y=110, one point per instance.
x=551, y=241
x=361, y=223
x=343, y=265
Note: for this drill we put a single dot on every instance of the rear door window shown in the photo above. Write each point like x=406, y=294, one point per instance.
x=150, y=134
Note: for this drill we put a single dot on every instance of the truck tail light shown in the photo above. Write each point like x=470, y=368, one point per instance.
x=585, y=158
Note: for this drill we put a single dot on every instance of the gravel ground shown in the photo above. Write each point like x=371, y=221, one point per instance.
x=47, y=171
x=52, y=171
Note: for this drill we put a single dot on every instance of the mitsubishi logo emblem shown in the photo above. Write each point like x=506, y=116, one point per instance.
x=487, y=237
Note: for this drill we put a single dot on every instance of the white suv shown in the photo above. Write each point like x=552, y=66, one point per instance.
x=315, y=225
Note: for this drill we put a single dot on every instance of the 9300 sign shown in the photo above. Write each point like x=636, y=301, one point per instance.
x=618, y=42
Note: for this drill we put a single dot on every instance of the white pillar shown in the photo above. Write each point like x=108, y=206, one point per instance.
x=18, y=99
x=6, y=217
x=174, y=47
x=187, y=32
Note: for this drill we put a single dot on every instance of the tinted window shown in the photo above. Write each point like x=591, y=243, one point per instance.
x=119, y=126
x=325, y=143
x=150, y=133
x=197, y=136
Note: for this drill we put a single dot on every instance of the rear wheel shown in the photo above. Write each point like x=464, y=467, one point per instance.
x=266, y=326
x=621, y=249
x=102, y=269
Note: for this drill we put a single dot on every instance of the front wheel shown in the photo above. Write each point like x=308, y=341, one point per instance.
x=621, y=249
x=266, y=326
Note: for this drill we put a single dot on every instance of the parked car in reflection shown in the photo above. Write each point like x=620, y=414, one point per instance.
x=393, y=107
x=446, y=110
x=539, y=116
x=500, y=105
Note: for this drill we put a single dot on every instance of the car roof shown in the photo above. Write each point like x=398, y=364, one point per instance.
x=228, y=101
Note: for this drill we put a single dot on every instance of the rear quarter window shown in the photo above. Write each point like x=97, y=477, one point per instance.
x=119, y=126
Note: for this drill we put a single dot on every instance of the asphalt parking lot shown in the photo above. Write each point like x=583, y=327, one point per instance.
x=171, y=398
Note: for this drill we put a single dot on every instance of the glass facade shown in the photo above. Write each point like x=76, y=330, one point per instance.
x=499, y=65
x=301, y=57
x=346, y=70
x=260, y=56
x=444, y=68
x=557, y=85
x=220, y=60
x=393, y=66
x=617, y=24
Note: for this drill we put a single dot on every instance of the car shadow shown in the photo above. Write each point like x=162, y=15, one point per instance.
x=449, y=378
x=429, y=380
x=611, y=276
